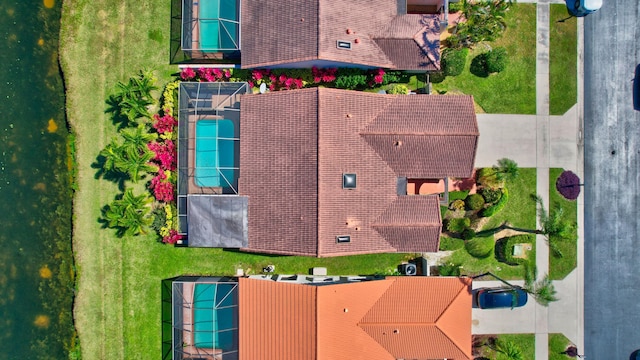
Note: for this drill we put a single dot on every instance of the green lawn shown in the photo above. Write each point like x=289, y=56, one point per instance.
x=558, y=343
x=561, y=267
x=563, y=61
x=520, y=211
x=526, y=343
x=512, y=91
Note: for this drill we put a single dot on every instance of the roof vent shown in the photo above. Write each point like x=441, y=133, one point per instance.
x=343, y=238
x=348, y=181
x=345, y=45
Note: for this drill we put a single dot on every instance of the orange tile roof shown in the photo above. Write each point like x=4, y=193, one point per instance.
x=398, y=317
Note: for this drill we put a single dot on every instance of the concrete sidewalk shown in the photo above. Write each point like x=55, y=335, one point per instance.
x=541, y=141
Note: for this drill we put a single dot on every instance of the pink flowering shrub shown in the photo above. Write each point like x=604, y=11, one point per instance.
x=165, y=154
x=172, y=238
x=162, y=190
x=377, y=77
x=323, y=75
x=187, y=74
x=164, y=124
x=274, y=82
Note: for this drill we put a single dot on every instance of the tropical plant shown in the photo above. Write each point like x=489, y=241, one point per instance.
x=127, y=158
x=131, y=99
x=137, y=138
x=491, y=195
x=483, y=21
x=507, y=350
x=506, y=169
x=542, y=290
x=129, y=214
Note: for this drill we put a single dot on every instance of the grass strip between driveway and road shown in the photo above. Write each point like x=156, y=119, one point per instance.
x=563, y=61
x=559, y=267
x=558, y=343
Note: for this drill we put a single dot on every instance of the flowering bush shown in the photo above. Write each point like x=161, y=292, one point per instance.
x=169, y=97
x=323, y=75
x=568, y=185
x=164, y=124
x=273, y=81
x=187, y=74
x=165, y=154
x=377, y=77
x=172, y=238
x=163, y=187
x=168, y=233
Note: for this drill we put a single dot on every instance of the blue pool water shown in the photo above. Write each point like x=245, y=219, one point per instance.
x=214, y=316
x=216, y=32
x=215, y=152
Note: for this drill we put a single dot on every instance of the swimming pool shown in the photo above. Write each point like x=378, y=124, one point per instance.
x=214, y=316
x=215, y=153
x=219, y=28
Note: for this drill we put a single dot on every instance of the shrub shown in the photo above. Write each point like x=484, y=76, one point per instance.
x=487, y=178
x=457, y=205
x=568, y=185
x=457, y=225
x=491, y=195
x=474, y=202
x=454, y=7
x=481, y=247
x=449, y=270
x=504, y=248
x=399, y=90
x=495, y=208
x=453, y=61
x=393, y=77
x=468, y=234
x=437, y=77
x=350, y=78
x=447, y=243
x=478, y=65
x=496, y=60
x=455, y=195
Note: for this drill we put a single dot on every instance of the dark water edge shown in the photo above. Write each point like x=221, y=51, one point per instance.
x=36, y=260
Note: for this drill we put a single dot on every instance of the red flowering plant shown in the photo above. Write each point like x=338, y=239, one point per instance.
x=163, y=188
x=323, y=76
x=172, y=238
x=376, y=77
x=165, y=154
x=164, y=124
x=188, y=74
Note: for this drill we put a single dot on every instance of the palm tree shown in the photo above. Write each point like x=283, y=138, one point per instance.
x=144, y=84
x=137, y=138
x=113, y=154
x=507, y=350
x=130, y=215
x=484, y=21
x=543, y=290
x=506, y=169
x=135, y=162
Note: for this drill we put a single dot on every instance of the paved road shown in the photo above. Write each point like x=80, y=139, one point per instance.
x=612, y=178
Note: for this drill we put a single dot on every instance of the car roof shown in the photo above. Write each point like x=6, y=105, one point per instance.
x=503, y=297
x=592, y=5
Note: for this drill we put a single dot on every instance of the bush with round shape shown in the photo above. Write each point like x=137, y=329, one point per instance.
x=399, y=89
x=568, y=185
x=478, y=65
x=480, y=247
x=457, y=225
x=457, y=204
x=496, y=60
x=468, y=234
x=491, y=195
x=504, y=248
x=474, y=202
x=498, y=206
x=453, y=61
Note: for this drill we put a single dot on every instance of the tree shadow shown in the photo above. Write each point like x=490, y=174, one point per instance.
x=114, y=109
x=116, y=177
x=636, y=89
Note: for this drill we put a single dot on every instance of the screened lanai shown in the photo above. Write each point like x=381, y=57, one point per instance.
x=210, y=212
x=204, y=318
x=210, y=28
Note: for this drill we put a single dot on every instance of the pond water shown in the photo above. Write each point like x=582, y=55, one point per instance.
x=36, y=263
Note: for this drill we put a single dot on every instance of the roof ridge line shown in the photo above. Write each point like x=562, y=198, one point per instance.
x=399, y=324
x=460, y=293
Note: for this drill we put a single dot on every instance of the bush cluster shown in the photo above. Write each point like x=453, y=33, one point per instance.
x=504, y=248
x=495, y=208
x=453, y=61
x=457, y=225
x=490, y=62
x=457, y=204
x=481, y=247
x=487, y=178
x=491, y=195
x=474, y=202
x=399, y=89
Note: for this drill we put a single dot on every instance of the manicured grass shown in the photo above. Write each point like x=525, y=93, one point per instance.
x=563, y=61
x=520, y=211
x=118, y=304
x=526, y=343
x=512, y=91
x=558, y=343
x=561, y=267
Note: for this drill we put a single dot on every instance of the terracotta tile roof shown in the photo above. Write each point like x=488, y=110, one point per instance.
x=276, y=320
x=382, y=319
x=277, y=33
x=292, y=159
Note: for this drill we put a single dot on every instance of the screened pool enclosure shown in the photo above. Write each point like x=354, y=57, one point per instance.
x=204, y=318
x=210, y=27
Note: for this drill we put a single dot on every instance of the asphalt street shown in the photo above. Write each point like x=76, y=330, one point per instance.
x=612, y=181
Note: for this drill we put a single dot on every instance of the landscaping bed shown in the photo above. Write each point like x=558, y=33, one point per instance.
x=497, y=347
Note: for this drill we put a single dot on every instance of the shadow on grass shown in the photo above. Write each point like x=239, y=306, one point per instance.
x=116, y=177
x=120, y=120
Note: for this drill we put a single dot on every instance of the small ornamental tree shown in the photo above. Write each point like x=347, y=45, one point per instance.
x=474, y=202
x=568, y=185
x=453, y=61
